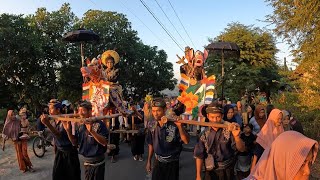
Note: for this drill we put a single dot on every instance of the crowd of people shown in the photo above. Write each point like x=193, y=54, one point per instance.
x=259, y=142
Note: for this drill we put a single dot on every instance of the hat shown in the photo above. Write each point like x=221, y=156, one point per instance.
x=158, y=103
x=110, y=53
x=213, y=108
x=56, y=103
x=86, y=104
x=66, y=103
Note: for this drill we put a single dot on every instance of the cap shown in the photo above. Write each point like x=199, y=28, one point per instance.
x=158, y=102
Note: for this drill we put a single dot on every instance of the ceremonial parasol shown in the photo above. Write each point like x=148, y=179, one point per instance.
x=224, y=48
x=81, y=35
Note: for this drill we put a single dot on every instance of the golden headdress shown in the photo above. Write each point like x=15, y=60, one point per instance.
x=110, y=53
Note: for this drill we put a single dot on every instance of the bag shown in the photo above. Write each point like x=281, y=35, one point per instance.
x=209, y=162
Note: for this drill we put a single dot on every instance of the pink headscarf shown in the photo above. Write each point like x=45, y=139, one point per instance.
x=11, y=128
x=285, y=157
x=269, y=132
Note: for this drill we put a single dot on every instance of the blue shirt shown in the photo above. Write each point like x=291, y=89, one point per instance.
x=166, y=140
x=63, y=141
x=88, y=146
x=219, y=146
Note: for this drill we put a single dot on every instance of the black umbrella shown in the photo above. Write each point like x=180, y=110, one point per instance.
x=81, y=35
x=224, y=48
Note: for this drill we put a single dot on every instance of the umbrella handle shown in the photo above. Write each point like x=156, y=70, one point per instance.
x=82, y=56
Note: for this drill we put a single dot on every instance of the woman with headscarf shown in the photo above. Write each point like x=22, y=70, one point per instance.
x=291, y=123
x=258, y=120
x=14, y=129
x=270, y=131
x=290, y=157
x=228, y=113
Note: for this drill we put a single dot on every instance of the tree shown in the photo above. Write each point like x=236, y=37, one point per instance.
x=298, y=23
x=257, y=64
x=143, y=69
x=21, y=69
x=36, y=65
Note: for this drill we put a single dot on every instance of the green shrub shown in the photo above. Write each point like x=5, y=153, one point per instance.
x=308, y=116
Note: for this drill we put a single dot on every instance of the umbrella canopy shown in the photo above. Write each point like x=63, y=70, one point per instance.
x=225, y=50
x=81, y=35
x=217, y=47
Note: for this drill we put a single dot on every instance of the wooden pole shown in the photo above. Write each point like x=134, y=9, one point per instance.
x=211, y=124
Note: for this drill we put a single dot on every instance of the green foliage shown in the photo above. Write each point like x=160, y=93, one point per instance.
x=36, y=65
x=257, y=64
x=298, y=23
x=310, y=118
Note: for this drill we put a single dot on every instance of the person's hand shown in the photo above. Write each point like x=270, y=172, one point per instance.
x=179, y=124
x=148, y=167
x=44, y=119
x=235, y=129
x=89, y=126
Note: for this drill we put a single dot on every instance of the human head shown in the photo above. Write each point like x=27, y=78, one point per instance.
x=214, y=113
x=55, y=107
x=276, y=118
x=289, y=157
x=286, y=117
x=228, y=112
x=85, y=109
x=247, y=128
x=110, y=62
x=250, y=108
x=23, y=113
x=259, y=112
x=158, y=108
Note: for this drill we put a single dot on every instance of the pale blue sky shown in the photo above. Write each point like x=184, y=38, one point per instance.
x=201, y=18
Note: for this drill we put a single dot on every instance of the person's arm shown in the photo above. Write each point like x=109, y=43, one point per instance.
x=45, y=120
x=67, y=126
x=99, y=138
x=185, y=138
x=235, y=129
x=253, y=163
x=199, y=163
x=150, y=154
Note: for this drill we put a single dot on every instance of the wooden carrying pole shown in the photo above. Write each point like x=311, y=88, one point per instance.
x=87, y=120
x=211, y=124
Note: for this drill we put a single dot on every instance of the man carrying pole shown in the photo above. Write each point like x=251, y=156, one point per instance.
x=92, y=140
x=217, y=147
x=66, y=161
x=165, y=141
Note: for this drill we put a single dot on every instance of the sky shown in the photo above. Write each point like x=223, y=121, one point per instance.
x=202, y=19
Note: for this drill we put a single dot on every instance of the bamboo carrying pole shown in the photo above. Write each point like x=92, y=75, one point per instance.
x=211, y=124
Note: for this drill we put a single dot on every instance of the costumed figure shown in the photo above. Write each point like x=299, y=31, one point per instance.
x=102, y=88
x=196, y=88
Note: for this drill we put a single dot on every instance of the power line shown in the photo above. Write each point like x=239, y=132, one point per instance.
x=171, y=22
x=163, y=27
x=181, y=23
x=143, y=23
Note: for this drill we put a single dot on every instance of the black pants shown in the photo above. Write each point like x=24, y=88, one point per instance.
x=94, y=172
x=66, y=165
x=221, y=174
x=165, y=171
x=137, y=144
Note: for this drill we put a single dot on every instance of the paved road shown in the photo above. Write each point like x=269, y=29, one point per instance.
x=124, y=169
x=128, y=169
